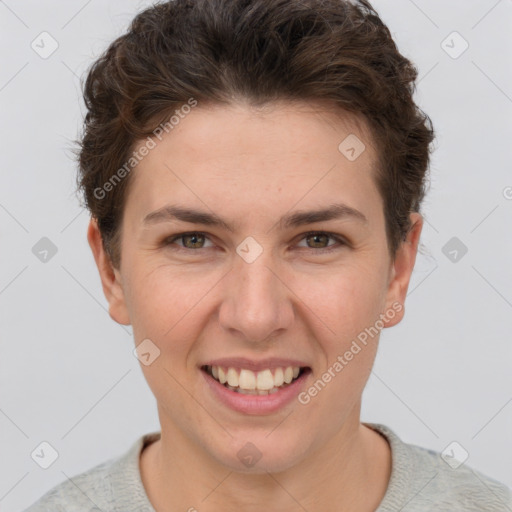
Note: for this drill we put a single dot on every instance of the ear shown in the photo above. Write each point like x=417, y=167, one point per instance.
x=401, y=272
x=110, y=277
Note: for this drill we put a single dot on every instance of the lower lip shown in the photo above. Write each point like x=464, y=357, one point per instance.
x=256, y=404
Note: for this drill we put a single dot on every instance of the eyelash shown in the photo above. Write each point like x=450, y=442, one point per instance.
x=170, y=240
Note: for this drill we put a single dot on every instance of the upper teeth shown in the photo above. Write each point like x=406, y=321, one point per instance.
x=247, y=379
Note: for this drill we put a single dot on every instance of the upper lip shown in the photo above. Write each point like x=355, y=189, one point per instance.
x=251, y=364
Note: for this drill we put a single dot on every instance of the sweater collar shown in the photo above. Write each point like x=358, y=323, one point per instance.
x=131, y=495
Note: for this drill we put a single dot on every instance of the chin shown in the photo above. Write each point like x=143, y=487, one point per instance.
x=262, y=453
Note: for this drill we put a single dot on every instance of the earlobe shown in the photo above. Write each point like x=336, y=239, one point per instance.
x=401, y=271
x=110, y=277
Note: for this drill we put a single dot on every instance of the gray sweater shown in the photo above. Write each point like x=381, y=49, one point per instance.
x=420, y=481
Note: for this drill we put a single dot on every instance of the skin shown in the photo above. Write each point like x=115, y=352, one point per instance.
x=251, y=167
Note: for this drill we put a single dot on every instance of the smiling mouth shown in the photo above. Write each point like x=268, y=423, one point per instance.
x=247, y=382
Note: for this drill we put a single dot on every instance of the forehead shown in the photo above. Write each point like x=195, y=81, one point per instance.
x=278, y=128
x=238, y=155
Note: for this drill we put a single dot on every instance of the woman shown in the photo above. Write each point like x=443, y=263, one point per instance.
x=254, y=172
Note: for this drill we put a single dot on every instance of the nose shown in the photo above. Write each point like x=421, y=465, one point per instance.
x=256, y=305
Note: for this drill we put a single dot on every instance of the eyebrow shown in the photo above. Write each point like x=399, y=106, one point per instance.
x=295, y=219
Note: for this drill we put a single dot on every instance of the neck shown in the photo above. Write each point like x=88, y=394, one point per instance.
x=348, y=472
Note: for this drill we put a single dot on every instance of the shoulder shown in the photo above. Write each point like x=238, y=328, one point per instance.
x=448, y=484
x=424, y=480
x=101, y=488
x=80, y=492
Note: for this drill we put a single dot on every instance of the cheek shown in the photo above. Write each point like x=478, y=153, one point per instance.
x=345, y=300
x=167, y=309
x=162, y=299
x=349, y=305
x=171, y=305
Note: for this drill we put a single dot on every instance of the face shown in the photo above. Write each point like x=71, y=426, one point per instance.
x=222, y=268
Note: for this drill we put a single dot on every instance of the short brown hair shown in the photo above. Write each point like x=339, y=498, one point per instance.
x=262, y=51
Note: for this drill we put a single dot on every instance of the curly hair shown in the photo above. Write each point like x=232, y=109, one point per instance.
x=218, y=51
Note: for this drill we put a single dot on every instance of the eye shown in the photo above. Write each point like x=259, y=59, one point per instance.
x=195, y=240
x=320, y=238
x=191, y=240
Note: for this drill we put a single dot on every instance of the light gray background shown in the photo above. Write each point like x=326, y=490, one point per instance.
x=68, y=375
